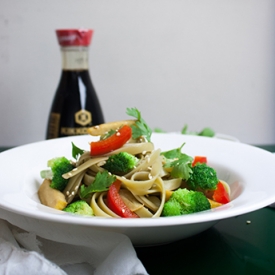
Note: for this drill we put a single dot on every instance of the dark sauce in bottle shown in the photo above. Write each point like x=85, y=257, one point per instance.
x=75, y=106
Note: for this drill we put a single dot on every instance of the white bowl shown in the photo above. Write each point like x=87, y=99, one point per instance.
x=248, y=170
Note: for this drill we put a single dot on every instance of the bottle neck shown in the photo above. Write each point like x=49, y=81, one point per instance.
x=75, y=58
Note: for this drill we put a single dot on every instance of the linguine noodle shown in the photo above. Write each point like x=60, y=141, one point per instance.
x=143, y=188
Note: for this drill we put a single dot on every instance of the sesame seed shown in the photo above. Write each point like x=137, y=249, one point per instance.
x=73, y=193
x=96, y=127
x=150, y=176
x=248, y=222
x=67, y=193
x=118, y=134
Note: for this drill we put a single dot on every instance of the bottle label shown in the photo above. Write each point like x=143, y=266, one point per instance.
x=75, y=60
x=54, y=122
x=69, y=131
x=83, y=117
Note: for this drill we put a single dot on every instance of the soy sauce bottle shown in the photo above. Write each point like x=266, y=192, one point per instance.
x=75, y=106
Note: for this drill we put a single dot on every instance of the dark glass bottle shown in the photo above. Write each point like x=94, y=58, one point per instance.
x=75, y=105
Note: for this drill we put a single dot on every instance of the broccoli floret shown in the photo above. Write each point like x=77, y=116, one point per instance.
x=202, y=177
x=121, y=163
x=59, y=166
x=80, y=208
x=184, y=201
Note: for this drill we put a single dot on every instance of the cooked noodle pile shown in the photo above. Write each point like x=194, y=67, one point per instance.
x=143, y=188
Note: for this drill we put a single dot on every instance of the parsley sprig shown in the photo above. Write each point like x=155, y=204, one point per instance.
x=140, y=128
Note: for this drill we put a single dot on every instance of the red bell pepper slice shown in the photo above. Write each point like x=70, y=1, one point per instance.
x=116, y=204
x=220, y=194
x=111, y=143
x=199, y=159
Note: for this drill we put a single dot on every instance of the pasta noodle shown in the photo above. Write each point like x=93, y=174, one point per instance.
x=143, y=189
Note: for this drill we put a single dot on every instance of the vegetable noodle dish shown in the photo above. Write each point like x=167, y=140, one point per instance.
x=122, y=175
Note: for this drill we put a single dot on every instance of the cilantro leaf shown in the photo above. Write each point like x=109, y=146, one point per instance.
x=101, y=183
x=179, y=162
x=174, y=153
x=134, y=112
x=181, y=168
x=76, y=152
x=140, y=128
x=159, y=130
x=184, y=130
x=108, y=134
x=207, y=132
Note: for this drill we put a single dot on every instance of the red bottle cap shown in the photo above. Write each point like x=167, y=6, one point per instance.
x=74, y=37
